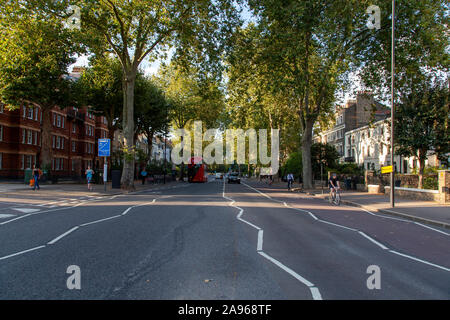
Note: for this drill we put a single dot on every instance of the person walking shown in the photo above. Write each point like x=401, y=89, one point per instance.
x=36, y=175
x=290, y=180
x=143, y=175
x=89, y=175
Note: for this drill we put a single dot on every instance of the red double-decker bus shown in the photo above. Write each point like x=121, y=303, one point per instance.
x=197, y=170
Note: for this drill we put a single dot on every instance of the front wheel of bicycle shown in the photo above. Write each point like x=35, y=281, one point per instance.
x=337, y=199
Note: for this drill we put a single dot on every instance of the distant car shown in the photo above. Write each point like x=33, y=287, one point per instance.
x=219, y=175
x=233, y=177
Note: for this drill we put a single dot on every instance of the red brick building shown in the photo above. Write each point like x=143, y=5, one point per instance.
x=73, y=140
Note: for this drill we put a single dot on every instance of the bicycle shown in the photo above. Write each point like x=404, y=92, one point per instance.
x=335, y=197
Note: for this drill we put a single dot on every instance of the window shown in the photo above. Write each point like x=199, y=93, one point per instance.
x=58, y=121
x=24, y=133
x=1, y=133
x=24, y=111
x=74, y=146
x=62, y=143
x=36, y=111
x=30, y=137
x=35, y=138
x=54, y=119
x=63, y=122
x=73, y=165
x=74, y=128
x=53, y=142
x=28, y=162
x=1, y=108
x=58, y=142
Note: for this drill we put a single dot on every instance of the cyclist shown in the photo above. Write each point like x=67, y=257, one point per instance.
x=290, y=179
x=333, y=184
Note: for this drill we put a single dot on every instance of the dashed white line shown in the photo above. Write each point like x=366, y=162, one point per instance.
x=21, y=252
x=372, y=240
x=363, y=234
x=259, y=248
x=62, y=235
x=101, y=220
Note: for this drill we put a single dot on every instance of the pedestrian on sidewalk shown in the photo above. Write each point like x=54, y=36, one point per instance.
x=290, y=179
x=143, y=175
x=37, y=173
x=89, y=174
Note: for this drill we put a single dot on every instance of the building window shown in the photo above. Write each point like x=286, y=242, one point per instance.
x=54, y=119
x=74, y=128
x=35, y=138
x=74, y=146
x=58, y=121
x=30, y=137
x=24, y=111
x=36, y=111
x=62, y=143
x=73, y=165
x=58, y=142
x=1, y=133
x=53, y=142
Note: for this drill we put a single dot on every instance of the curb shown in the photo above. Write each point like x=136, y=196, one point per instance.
x=398, y=214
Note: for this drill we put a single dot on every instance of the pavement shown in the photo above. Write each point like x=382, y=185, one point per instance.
x=427, y=212
x=217, y=241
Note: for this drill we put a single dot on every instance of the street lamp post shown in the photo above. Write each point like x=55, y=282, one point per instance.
x=392, y=200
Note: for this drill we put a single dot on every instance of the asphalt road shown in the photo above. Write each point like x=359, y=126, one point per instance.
x=219, y=241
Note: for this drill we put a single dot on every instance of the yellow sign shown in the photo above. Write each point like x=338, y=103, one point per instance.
x=387, y=169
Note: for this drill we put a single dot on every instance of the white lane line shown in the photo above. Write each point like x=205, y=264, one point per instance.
x=101, y=220
x=398, y=219
x=420, y=260
x=314, y=290
x=287, y=269
x=373, y=240
x=3, y=216
x=63, y=235
x=425, y=226
x=260, y=240
x=21, y=252
x=337, y=225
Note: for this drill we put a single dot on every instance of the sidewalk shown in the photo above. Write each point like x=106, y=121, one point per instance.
x=428, y=212
x=76, y=189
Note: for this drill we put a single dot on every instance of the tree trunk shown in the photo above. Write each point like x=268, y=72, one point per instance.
x=150, y=135
x=422, y=156
x=127, y=179
x=46, y=139
x=306, y=155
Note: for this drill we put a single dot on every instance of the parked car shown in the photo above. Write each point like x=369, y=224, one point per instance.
x=219, y=175
x=233, y=177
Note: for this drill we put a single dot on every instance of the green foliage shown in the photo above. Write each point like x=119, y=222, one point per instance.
x=293, y=164
x=349, y=168
x=431, y=183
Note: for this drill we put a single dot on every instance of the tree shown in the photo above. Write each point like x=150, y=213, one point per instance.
x=140, y=29
x=422, y=123
x=100, y=86
x=325, y=154
x=152, y=111
x=305, y=49
x=34, y=57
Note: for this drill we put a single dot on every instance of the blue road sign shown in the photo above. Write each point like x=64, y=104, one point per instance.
x=104, y=147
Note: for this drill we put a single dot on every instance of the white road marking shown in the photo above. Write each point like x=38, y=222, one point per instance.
x=75, y=228
x=260, y=240
x=26, y=210
x=372, y=240
x=101, y=220
x=420, y=260
x=3, y=216
x=364, y=235
x=314, y=290
x=62, y=235
x=425, y=226
x=21, y=252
